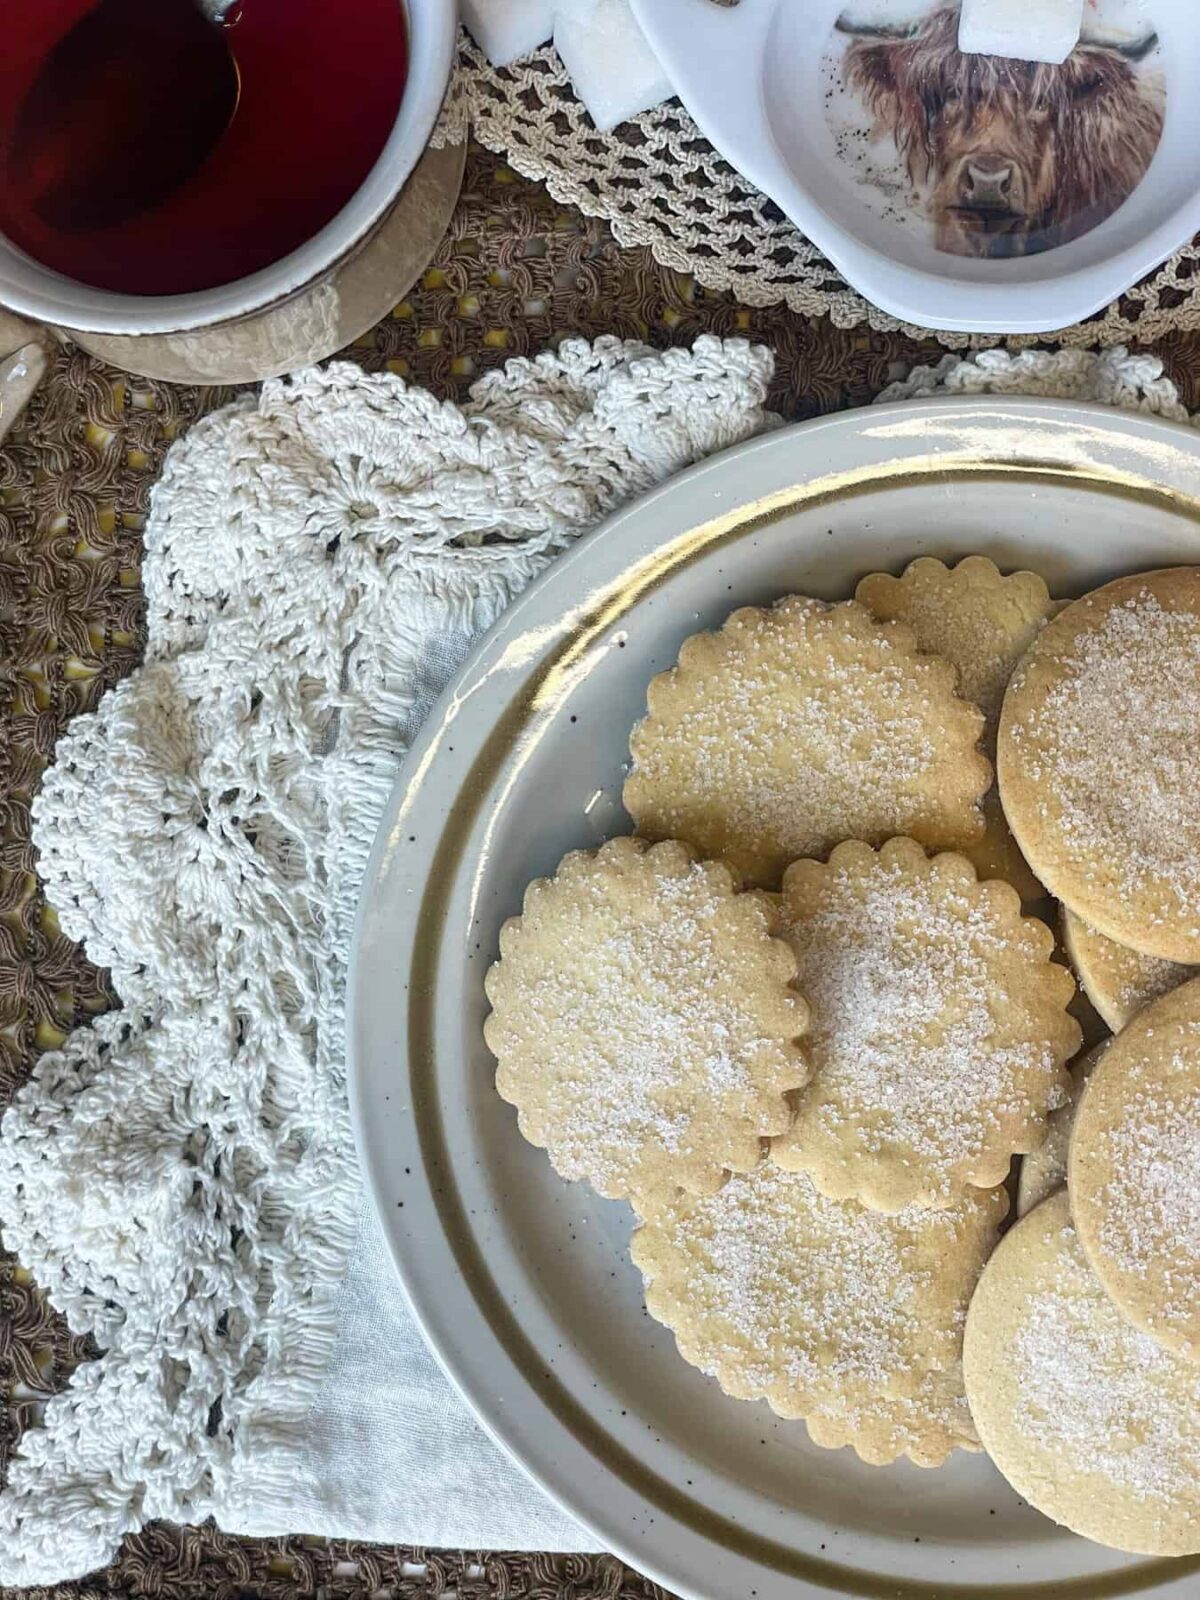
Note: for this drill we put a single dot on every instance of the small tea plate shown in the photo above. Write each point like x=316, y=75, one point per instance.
x=522, y=1282
x=954, y=191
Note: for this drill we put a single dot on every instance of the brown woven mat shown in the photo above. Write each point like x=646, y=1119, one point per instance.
x=516, y=274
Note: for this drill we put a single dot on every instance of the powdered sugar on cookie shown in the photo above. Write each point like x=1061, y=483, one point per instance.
x=1133, y=1166
x=1092, y=1390
x=1100, y=764
x=795, y=728
x=939, y=1033
x=1154, y=1190
x=981, y=622
x=1124, y=723
x=643, y=1020
x=1091, y=1421
x=821, y=1307
x=1118, y=981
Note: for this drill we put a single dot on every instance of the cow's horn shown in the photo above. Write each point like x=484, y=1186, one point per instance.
x=875, y=30
x=1131, y=49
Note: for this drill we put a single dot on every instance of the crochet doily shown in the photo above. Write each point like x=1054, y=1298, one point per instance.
x=658, y=182
x=180, y=1177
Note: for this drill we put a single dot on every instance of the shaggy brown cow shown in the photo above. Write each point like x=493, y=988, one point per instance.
x=1014, y=156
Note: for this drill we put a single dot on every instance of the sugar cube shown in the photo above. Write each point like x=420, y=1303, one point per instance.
x=613, y=69
x=507, y=29
x=1030, y=30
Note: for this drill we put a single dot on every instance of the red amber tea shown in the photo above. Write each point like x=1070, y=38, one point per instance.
x=127, y=194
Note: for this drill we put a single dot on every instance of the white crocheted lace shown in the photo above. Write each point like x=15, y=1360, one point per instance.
x=180, y=1178
x=657, y=182
x=1112, y=377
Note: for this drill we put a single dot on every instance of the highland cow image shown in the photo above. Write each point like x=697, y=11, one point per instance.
x=1000, y=157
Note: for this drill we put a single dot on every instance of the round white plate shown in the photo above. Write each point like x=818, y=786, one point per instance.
x=521, y=1281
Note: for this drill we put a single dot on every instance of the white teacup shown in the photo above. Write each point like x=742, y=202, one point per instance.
x=35, y=291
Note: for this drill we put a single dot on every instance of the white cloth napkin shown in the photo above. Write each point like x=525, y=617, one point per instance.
x=392, y=1454
x=180, y=1177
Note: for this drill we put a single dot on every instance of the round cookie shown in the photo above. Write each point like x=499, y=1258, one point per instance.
x=981, y=622
x=800, y=726
x=1088, y=1419
x=1091, y=1024
x=1099, y=764
x=1134, y=1170
x=643, y=1020
x=939, y=1026
x=826, y=1310
x=1044, y=1170
x=1118, y=981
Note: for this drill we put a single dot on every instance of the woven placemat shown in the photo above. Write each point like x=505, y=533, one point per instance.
x=516, y=273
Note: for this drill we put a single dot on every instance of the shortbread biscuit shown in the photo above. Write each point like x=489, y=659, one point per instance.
x=1117, y=980
x=1091, y=1024
x=1134, y=1170
x=998, y=855
x=1044, y=1170
x=1099, y=763
x=643, y=1020
x=800, y=726
x=826, y=1310
x=981, y=622
x=925, y=1427
x=1089, y=1420
x=939, y=1032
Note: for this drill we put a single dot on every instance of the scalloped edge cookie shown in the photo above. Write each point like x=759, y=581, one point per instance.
x=971, y=614
x=1044, y=1170
x=981, y=621
x=906, y=1107
x=798, y=726
x=643, y=1020
x=927, y=1427
x=846, y=1317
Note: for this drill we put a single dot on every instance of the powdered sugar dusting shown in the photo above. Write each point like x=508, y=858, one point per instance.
x=812, y=725
x=1102, y=1397
x=1144, y=978
x=642, y=1013
x=784, y=1292
x=1150, y=1217
x=926, y=1425
x=971, y=616
x=933, y=1033
x=1114, y=740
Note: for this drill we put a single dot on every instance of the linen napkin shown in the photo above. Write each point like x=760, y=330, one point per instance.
x=180, y=1177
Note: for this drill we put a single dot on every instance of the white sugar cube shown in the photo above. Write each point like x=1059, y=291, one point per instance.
x=1030, y=30
x=614, y=71
x=507, y=29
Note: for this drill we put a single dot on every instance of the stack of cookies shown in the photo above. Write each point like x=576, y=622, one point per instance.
x=807, y=1016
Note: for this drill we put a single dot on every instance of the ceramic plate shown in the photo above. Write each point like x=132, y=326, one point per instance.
x=521, y=1281
x=983, y=193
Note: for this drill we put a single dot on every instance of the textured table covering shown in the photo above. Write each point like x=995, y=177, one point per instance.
x=516, y=273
